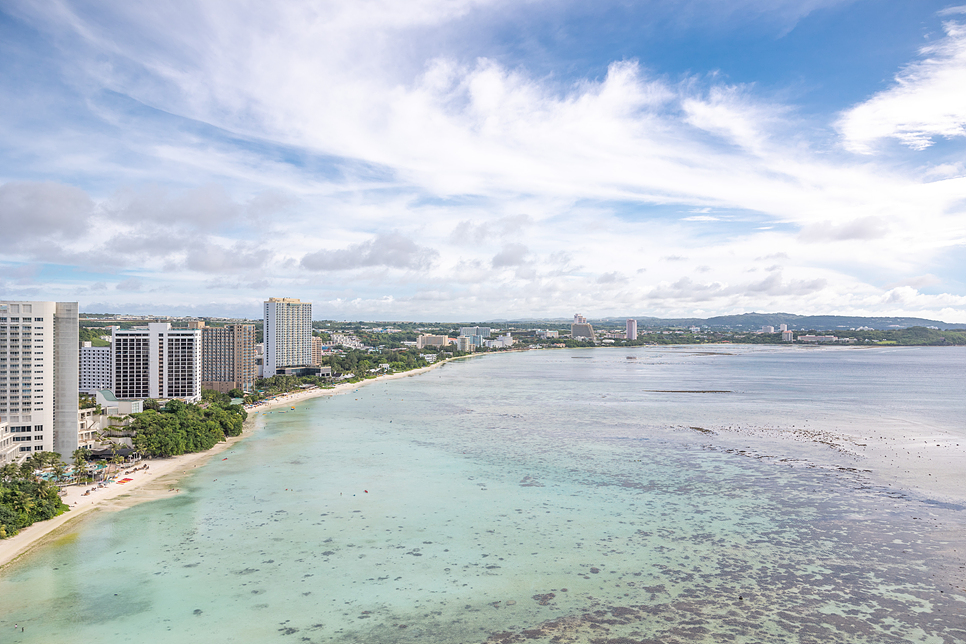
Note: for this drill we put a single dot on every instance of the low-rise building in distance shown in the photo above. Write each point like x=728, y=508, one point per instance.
x=482, y=331
x=320, y=348
x=501, y=342
x=424, y=341
x=348, y=341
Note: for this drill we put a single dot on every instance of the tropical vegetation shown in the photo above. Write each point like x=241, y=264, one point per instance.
x=25, y=496
x=350, y=365
x=180, y=428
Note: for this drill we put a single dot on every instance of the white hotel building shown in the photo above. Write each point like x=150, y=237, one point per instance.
x=38, y=378
x=156, y=361
x=95, y=368
x=288, y=334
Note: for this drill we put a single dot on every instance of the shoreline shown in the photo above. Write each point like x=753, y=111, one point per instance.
x=298, y=396
x=928, y=464
x=160, y=480
x=157, y=482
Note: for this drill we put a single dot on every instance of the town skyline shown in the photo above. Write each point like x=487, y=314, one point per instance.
x=752, y=319
x=466, y=160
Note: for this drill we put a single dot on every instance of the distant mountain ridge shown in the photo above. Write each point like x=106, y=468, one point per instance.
x=754, y=322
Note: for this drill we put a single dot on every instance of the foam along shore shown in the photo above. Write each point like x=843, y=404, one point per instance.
x=290, y=399
x=162, y=478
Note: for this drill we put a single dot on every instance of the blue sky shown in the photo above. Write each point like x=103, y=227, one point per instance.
x=475, y=159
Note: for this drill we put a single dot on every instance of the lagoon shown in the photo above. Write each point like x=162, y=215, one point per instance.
x=706, y=494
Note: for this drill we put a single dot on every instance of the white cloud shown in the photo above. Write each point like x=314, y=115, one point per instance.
x=612, y=277
x=511, y=255
x=36, y=210
x=926, y=101
x=917, y=282
x=506, y=190
x=826, y=231
x=391, y=250
x=130, y=284
x=734, y=115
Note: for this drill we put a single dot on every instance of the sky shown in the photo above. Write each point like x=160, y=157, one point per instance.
x=484, y=159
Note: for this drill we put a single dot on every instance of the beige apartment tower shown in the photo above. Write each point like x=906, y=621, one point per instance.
x=318, y=350
x=228, y=357
x=39, y=354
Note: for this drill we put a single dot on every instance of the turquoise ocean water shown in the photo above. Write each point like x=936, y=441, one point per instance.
x=553, y=496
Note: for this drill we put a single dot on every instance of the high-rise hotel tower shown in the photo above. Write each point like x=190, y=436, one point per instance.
x=156, y=361
x=38, y=375
x=288, y=334
x=228, y=356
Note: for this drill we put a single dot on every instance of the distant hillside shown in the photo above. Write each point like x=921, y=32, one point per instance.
x=87, y=334
x=753, y=321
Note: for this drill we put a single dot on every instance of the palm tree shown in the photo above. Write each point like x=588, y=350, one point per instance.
x=79, y=458
x=116, y=459
x=28, y=469
x=9, y=472
x=60, y=469
x=22, y=503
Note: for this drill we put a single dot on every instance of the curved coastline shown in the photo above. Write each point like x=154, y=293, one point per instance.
x=299, y=396
x=911, y=464
x=161, y=479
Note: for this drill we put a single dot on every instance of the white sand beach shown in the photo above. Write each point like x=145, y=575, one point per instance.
x=158, y=481
x=161, y=478
x=932, y=464
x=290, y=399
